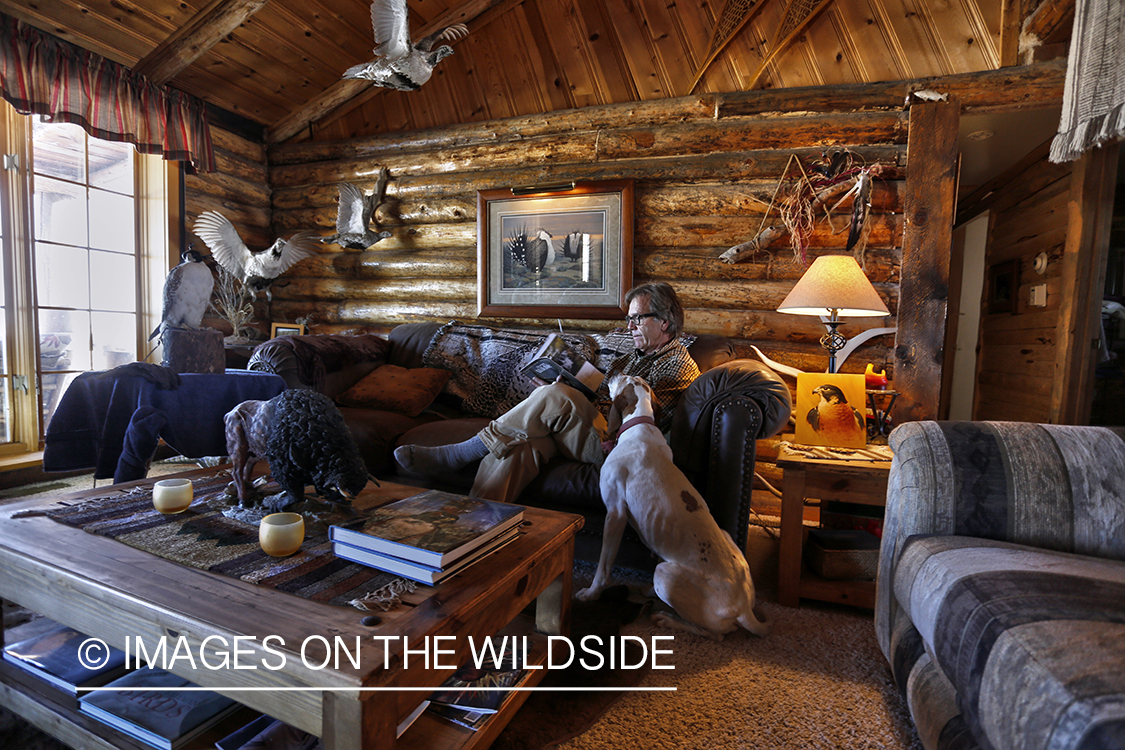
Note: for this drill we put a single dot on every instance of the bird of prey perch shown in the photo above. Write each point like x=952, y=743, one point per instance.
x=353, y=216
x=398, y=64
x=187, y=290
x=257, y=270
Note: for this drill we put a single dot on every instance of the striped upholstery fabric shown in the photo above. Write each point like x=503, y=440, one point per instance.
x=1001, y=594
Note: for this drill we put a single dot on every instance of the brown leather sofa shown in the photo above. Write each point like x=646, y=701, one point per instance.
x=731, y=405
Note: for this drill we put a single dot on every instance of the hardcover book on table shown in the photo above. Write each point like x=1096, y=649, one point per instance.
x=416, y=571
x=165, y=719
x=433, y=528
x=53, y=656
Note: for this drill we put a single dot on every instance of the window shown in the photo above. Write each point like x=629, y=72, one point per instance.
x=85, y=254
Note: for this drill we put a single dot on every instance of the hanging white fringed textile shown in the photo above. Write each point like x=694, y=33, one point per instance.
x=1094, y=98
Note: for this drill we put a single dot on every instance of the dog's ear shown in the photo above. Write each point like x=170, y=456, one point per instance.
x=613, y=419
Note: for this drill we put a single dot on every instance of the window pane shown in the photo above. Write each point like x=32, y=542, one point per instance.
x=60, y=211
x=5, y=419
x=115, y=340
x=113, y=282
x=62, y=276
x=60, y=150
x=111, y=227
x=64, y=340
x=53, y=386
x=111, y=166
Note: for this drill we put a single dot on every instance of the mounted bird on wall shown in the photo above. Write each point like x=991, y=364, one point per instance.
x=257, y=270
x=400, y=64
x=187, y=290
x=353, y=216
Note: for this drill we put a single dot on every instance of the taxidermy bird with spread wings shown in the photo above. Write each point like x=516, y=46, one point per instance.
x=187, y=290
x=257, y=270
x=400, y=64
x=353, y=216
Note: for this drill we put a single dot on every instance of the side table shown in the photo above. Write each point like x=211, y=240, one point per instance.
x=805, y=475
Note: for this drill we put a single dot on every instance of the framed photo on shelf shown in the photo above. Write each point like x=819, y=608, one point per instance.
x=561, y=251
x=286, y=329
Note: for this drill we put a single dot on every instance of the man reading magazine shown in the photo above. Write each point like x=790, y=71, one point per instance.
x=557, y=418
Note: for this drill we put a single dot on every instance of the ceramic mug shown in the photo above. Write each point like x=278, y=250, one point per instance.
x=281, y=534
x=172, y=495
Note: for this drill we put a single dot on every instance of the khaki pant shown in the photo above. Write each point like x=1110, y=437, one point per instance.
x=554, y=419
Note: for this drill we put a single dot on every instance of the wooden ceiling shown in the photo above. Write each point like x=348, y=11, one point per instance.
x=278, y=62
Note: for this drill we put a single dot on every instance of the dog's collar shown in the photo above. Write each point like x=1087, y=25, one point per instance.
x=609, y=445
x=633, y=422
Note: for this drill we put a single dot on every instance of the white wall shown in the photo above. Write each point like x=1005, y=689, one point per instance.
x=971, y=237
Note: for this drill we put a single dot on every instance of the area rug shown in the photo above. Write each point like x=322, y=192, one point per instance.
x=202, y=537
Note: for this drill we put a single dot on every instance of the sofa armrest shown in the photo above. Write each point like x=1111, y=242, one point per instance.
x=718, y=420
x=1057, y=487
x=328, y=363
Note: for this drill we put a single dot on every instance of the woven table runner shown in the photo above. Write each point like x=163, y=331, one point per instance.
x=202, y=537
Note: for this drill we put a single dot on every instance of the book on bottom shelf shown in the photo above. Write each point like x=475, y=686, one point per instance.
x=268, y=733
x=54, y=656
x=433, y=528
x=415, y=571
x=478, y=686
x=165, y=719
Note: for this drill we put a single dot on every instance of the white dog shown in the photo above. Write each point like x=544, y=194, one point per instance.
x=704, y=576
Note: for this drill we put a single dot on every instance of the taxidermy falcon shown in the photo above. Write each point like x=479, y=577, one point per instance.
x=257, y=270
x=834, y=417
x=400, y=64
x=353, y=216
x=187, y=290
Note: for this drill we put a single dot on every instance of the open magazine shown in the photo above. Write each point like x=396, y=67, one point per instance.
x=555, y=359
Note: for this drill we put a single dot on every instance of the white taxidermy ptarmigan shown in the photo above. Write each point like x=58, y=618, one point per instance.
x=257, y=270
x=398, y=64
x=187, y=290
x=353, y=216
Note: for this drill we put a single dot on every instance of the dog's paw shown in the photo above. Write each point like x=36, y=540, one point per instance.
x=588, y=594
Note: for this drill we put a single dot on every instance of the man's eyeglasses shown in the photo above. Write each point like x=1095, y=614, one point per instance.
x=635, y=320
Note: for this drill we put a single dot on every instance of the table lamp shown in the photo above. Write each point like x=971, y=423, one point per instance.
x=834, y=285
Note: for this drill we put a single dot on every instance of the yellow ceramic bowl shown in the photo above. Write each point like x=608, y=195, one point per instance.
x=172, y=495
x=281, y=534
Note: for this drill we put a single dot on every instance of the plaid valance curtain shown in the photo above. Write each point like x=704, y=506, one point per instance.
x=41, y=74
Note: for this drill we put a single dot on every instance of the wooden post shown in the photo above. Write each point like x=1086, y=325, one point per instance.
x=1089, y=219
x=925, y=321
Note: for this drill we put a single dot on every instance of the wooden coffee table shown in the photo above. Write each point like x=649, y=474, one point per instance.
x=109, y=590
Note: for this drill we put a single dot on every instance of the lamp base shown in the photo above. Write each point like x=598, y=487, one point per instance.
x=833, y=341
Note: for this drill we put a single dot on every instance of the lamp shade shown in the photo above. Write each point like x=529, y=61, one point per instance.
x=834, y=282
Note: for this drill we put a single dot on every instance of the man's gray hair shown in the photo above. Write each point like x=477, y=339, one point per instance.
x=663, y=301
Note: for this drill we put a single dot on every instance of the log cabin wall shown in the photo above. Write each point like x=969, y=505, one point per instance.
x=239, y=190
x=1018, y=350
x=704, y=177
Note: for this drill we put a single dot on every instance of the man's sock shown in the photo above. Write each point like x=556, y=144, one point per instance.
x=421, y=459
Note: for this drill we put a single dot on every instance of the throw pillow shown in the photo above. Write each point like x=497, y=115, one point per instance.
x=397, y=389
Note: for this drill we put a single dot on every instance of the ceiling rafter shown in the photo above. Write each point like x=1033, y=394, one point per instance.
x=206, y=29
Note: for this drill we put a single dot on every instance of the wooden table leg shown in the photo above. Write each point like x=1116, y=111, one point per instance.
x=789, y=552
x=552, y=606
x=350, y=723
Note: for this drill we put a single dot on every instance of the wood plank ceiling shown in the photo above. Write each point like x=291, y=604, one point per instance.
x=278, y=62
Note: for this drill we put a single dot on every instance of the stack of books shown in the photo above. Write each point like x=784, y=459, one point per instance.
x=165, y=719
x=53, y=656
x=427, y=537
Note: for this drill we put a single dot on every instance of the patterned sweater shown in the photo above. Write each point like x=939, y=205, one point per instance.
x=669, y=371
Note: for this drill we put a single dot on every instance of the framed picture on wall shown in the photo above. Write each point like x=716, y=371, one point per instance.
x=1003, y=286
x=830, y=410
x=560, y=252
x=286, y=329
